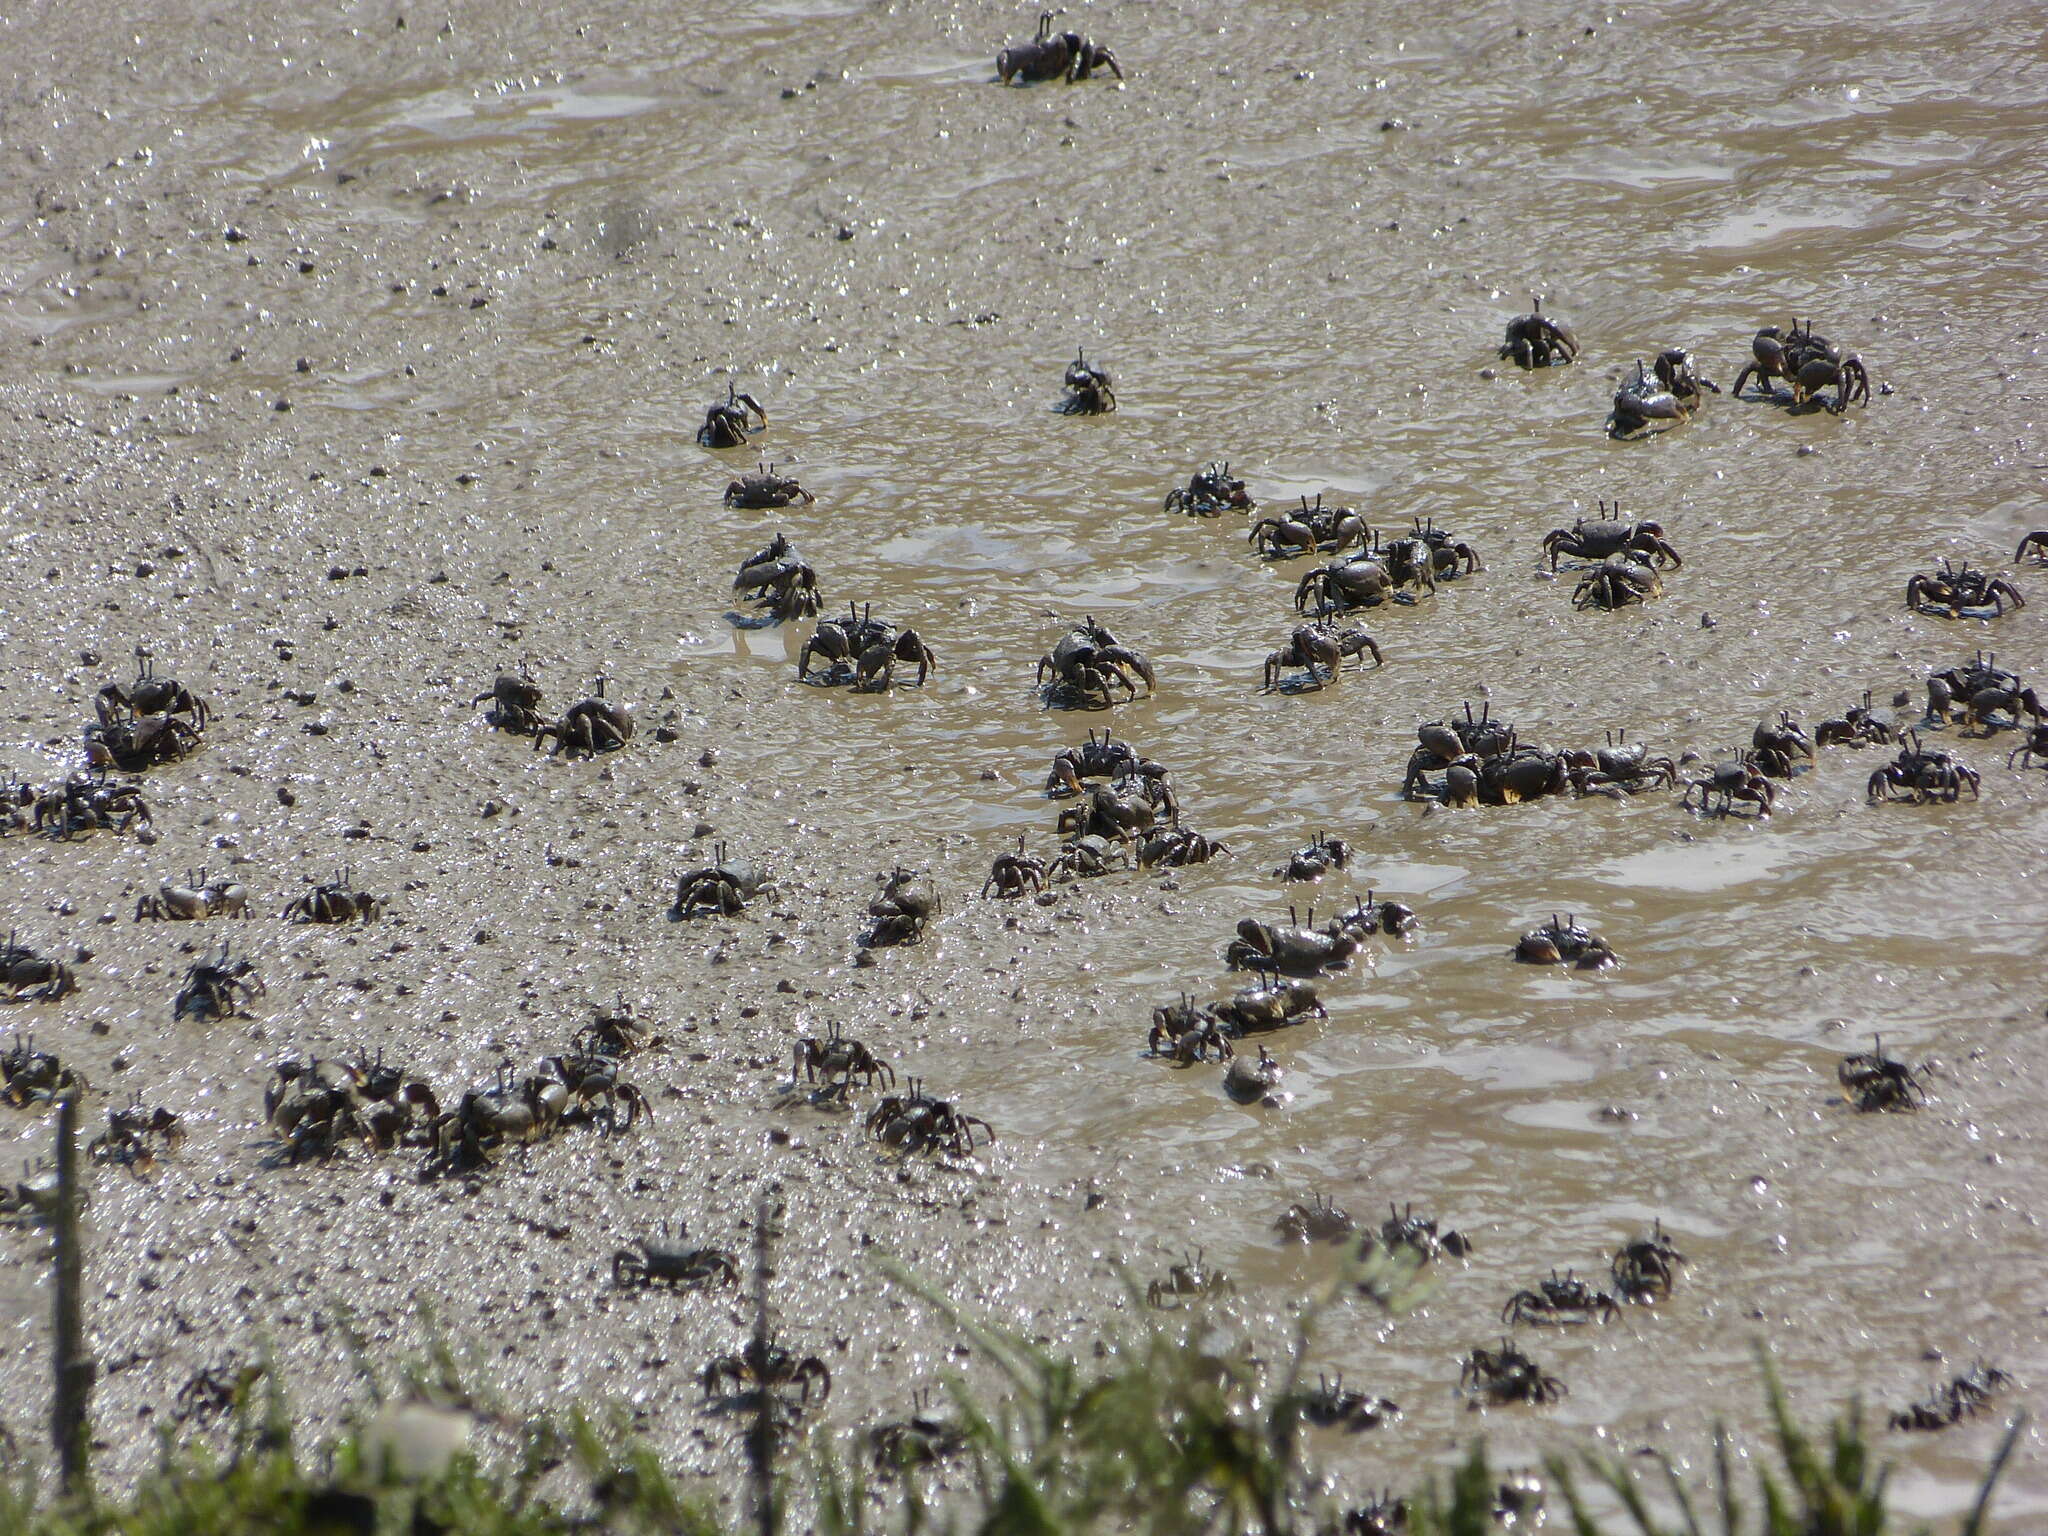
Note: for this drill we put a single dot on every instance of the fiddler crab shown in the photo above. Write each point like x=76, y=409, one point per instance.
x=1316, y=1220
x=1875, y=1081
x=1210, y=492
x=1781, y=746
x=918, y=1441
x=1621, y=764
x=1405, y=1232
x=1921, y=775
x=1013, y=874
x=34, y=1077
x=766, y=489
x=1646, y=1268
x=917, y=1122
x=515, y=703
x=91, y=802
x=1306, y=529
x=1089, y=392
x=863, y=650
x=1953, y=591
x=1087, y=663
x=196, y=899
x=593, y=725
x=1054, y=56
x=1858, y=726
x=147, y=742
x=1187, y=1282
x=727, y=422
x=780, y=581
x=664, y=1261
x=1187, y=1034
x=903, y=907
x=1314, y=860
x=839, y=1059
x=1101, y=757
x=1506, y=1375
x=1178, y=847
x=724, y=886
x=119, y=703
x=1961, y=1397
x=1808, y=362
x=133, y=1135
x=1253, y=1079
x=335, y=902
x=1300, y=948
x=1617, y=582
x=1273, y=1004
x=1984, y=690
x=1319, y=647
x=1537, y=340
x=1560, y=1299
x=1736, y=779
x=1336, y=1406
x=1607, y=536
x=1670, y=394
x=219, y=988
x=1565, y=941
x=763, y=1366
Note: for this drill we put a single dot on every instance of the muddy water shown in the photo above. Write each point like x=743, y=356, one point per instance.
x=527, y=258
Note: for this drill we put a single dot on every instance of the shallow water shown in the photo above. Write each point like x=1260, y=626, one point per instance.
x=1294, y=241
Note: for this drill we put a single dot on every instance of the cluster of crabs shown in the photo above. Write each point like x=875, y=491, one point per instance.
x=589, y=726
x=911, y=1120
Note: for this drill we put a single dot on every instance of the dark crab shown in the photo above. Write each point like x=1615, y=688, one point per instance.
x=1272, y=1005
x=1336, y=1406
x=1858, y=726
x=29, y=1076
x=1187, y=1282
x=133, y=1135
x=1315, y=1221
x=1921, y=775
x=615, y=1031
x=1506, y=1375
x=515, y=703
x=1319, y=647
x=918, y=1441
x=666, y=1262
x=1210, y=492
x=1306, y=529
x=1618, y=582
x=219, y=988
x=839, y=1059
x=1450, y=558
x=2036, y=745
x=1564, y=1300
x=1186, y=1034
x=728, y=421
x=1252, y=1079
x=1875, y=1081
x=133, y=746
x=1087, y=664
x=903, y=907
x=393, y=1107
x=1012, y=874
x=334, y=902
x=1961, y=1397
x=1982, y=688
x=1652, y=402
x=1314, y=860
x=593, y=725
x=92, y=802
x=1295, y=947
x=30, y=977
x=1089, y=391
x=149, y=695
x=1086, y=856
x=1357, y=581
x=1054, y=56
x=917, y=1122
x=1622, y=764
x=1607, y=536
x=724, y=886
x=1126, y=809
x=2033, y=546
x=1952, y=591
x=1646, y=1268
x=1537, y=340
x=764, y=1366
x=766, y=489
x=1780, y=745
x=1178, y=847
x=1734, y=779
x=1565, y=941
x=779, y=581
x=1405, y=1232
x=1099, y=757
x=1808, y=362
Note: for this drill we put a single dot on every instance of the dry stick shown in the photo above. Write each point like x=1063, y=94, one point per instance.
x=73, y=1369
x=761, y=1434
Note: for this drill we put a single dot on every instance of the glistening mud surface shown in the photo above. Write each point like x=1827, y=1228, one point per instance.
x=497, y=268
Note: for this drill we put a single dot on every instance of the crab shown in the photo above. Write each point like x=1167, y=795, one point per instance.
x=1961, y=1397
x=1450, y=558
x=1623, y=764
x=1210, y=493
x=780, y=581
x=1506, y=1375
x=1101, y=757
x=1358, y=581
x=1736, y=779
x=91, y=802
x=671, y=1264
x=198, y=898
x=1922, y=774
x=875, y=668
x=614, y=1031
x=1298, y=948
x=2032, y=546
x=1457, y=744
x=1953, y=590
x=1646, y=1268
x=1382, y=1515
x=1089, y=392
x=32, y=1077
x=1013, y=874
x=484, y=1119
x=918, y=1441
x=1503, y=778
x=1982, y=687
x=392, y=1106
x=1187, y=1282
x=1419, y=1236
x=1858, y=726
x=591, y=1088
x=1122, y=810
x=840, y=640
x=1808, y=362
x=1336, y=1406
x=1780, y=745
x=1875, y=1081
x=903, y=907
x=1251, y=1080
x=766, y=489
x=1617, y=582
x=724, y=886
x=312, y=1112
x=335, y=902
x=1316, y=1220
x=839, y=1056
x=917, y=1122
x=215, y=1390
x=1565, y=942
x=1560, y=1299
x=727, y=422
x=2036, y=745
x=1314, y=860
x=220, y=988
x=127, y=1140
x=515, y=703
x=1086, y=856
x=1537, y=340
x=1607, y=536
x=148, y=742
x=1650, y=403
x=1410, y=561
x=1054, y=56
x=1306, y=529
x=30, y=977
x=1316, y=647
x=593, y=725
x=761, y=1365
x=1188, y=1035
x=1274, y=1005
x=149, y=695
x=1177, y=847
x=1087, y=664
